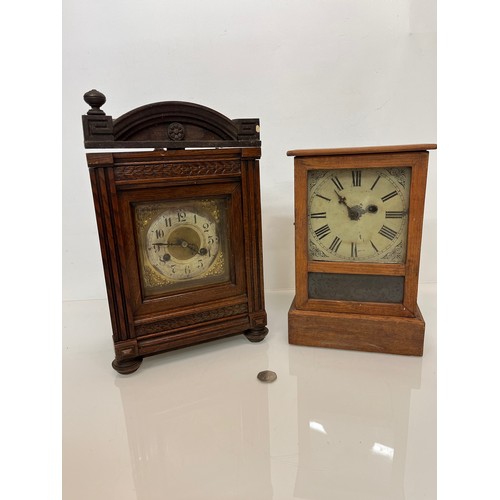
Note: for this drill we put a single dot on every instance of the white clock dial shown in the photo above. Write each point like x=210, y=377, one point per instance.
x=182, y=243
x=358, y=215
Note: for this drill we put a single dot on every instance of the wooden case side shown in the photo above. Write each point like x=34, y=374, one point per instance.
x=301, y=247
x=105, y=204
x=252, y=221
x=415, y=224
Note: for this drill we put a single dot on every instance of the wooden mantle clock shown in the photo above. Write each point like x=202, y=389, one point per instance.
x=179, y=228
x=358, y=229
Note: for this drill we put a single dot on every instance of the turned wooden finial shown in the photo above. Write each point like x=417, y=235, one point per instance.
x=95, y=100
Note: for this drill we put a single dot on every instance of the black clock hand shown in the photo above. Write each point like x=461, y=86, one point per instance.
x=200, y=251
x=342, y=200
x=184, y=244
x=354, y=213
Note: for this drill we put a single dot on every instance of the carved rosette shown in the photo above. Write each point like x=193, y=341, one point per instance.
x=176, y=131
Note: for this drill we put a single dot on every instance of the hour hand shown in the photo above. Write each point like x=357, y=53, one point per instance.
x=342, y=199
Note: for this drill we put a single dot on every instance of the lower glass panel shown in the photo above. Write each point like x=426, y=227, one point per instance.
x=356, y=287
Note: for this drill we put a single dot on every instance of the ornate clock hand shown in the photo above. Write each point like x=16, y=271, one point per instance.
x=191, y=246
x=342, y=200
x=355, y=212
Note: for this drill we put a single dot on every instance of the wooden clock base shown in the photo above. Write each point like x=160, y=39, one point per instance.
x=358, y=332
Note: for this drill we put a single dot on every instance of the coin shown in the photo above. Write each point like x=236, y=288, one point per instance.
x=267, y=376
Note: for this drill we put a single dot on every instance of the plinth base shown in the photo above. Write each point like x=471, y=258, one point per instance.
x=357, y=332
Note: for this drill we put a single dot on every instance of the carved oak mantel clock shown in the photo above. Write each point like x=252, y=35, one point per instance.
x=358, y=229
x=180, y=229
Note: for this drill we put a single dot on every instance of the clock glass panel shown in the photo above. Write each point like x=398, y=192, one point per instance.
x=358, y=215
x=182, y=244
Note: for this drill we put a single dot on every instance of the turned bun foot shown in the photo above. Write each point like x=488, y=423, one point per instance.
x=256, y=334
x=127, y=366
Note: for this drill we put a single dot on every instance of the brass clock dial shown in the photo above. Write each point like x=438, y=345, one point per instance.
x=358, y=215
x=182, y=243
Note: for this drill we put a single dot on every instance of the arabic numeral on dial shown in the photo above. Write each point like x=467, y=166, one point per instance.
x=187, y=270
x=159, y=233
x=168, y=221
x=212, y=240
x=181, y=215
x=172, y=268
x=206, y=227
x=200, y=264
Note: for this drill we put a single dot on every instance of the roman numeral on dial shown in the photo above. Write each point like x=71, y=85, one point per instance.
x=322, y=231
x=388, y=196
x=356, y=178
x=323, y=197
x=387, y=232
x=394, y=214
x=318, y=215
x=354, y=250
x=335, y=244
x=375, y=183
x=337, y=183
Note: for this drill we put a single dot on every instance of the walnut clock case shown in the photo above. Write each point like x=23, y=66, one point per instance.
x=180, y=229
x=358, y=229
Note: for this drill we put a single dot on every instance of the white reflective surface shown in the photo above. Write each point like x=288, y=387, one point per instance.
x=197, y=424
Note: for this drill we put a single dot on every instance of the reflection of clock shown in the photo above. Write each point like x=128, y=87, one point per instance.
x=358, y=215
x=180, y=228
x=358, y=227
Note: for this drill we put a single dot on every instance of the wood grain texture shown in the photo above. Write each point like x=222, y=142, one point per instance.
x=146, y=325
x=347, y=324
x=383, y=334
x=361, y=150
x=166, y=124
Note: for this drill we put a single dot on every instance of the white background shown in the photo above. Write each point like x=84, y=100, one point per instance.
x=468, y=104
x=318, y=74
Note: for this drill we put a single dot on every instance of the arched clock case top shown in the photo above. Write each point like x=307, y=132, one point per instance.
x=188, y=203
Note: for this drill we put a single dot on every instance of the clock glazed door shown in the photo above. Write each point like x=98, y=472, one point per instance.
x=182, y=243
x=361, y=230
